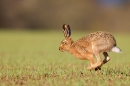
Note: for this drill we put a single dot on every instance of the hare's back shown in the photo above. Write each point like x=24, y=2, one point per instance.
x=102, y=41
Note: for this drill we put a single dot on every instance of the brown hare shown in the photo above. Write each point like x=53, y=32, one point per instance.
x=86, y=47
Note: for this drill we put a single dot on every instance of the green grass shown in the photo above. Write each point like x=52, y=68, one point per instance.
x=33, y=59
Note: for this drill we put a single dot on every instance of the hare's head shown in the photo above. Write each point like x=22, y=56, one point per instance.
x=66, y=43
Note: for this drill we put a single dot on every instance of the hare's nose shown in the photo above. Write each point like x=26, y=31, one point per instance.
x=59, y=48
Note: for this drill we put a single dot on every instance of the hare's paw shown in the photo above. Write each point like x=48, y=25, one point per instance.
x=95, y=66
x=98, y=68
x=99, y=64
x=89, y=68
x=106, y=60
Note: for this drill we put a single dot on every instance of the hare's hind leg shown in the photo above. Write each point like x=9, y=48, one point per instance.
x=92, y=62
x=90, y=57
x=99, y=60
x=107, y=58
x=97, y=55
x=98, y=64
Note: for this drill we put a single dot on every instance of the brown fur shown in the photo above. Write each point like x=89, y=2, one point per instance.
x=86, y=47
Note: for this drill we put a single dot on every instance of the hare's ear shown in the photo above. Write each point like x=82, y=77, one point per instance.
x=66, y=30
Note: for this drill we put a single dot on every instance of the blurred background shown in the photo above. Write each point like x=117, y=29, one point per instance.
x=110, y=15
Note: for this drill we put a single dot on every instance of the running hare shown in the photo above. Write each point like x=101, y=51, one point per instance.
x=86, y=47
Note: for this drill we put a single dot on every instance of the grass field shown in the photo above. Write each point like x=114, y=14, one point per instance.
x=33, y=59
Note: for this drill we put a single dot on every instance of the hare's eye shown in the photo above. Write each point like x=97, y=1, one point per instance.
x=63, y=42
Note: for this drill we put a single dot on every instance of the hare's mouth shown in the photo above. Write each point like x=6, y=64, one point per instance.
x=62, y=50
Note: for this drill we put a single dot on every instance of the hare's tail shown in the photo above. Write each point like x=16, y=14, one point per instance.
x=116, y=49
